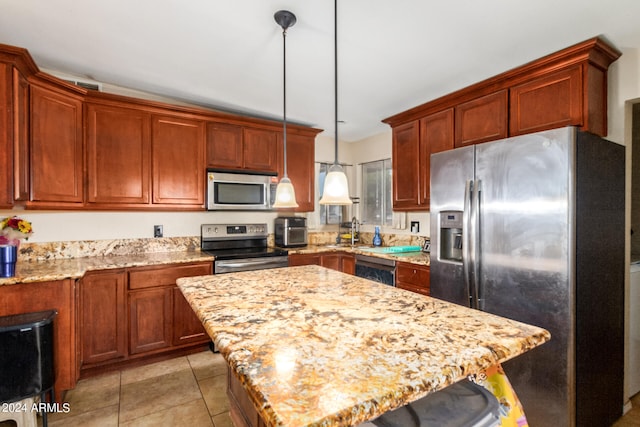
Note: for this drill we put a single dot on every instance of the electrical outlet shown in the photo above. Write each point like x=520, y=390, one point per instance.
x=157, y=231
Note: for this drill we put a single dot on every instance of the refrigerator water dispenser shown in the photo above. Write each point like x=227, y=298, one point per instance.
x=451, y=236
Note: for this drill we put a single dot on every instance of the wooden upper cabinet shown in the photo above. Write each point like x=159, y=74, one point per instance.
x=436, y=135
x=482, y=119
x=413, y=144
x=300, y=169
x=14, y=135
x=224, y=146
x=20, y=136
x=547, y=102
x=56, y=155
x=260, y=150
x=243, y=148
x=118, y=143
x=6, y=136
x=405, y=161
x=178, y=161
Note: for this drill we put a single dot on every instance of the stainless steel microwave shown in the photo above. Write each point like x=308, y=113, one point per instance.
x=240, y=191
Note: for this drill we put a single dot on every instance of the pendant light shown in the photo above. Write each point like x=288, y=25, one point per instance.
x=285, y=194
x=336, y=188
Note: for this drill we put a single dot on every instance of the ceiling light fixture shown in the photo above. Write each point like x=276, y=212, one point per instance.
x=285, y=193
x=336, y=187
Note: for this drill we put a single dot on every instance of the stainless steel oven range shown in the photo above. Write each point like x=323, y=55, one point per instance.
x=240, y=247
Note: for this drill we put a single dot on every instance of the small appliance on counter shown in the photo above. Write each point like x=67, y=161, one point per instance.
x=290, y=231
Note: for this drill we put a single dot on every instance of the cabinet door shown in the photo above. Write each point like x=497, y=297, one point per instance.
x=103, y=314
x=149, y=319
x=118, y=155
x=415, y=278
x=20, y=136
x=224, y=146
x=6, y=137
x=187, y=328
x=436, y=134
x=405, y=161
x=547, y=102
x=332, y=261
x=56, y=148
x=300, y=168
x=260, y=150
x=304, y=259
x=348, y=264
x=178, y=161
x=482, y=119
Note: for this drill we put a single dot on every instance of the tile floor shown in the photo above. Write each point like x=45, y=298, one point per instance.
x=185, y=391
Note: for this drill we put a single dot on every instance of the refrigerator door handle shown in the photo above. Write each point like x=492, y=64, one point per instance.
x=474, y=251
x=466, y=223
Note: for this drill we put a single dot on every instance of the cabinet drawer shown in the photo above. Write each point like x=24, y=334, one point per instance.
x=412, y=274
x=166, y=275
x=414, y=288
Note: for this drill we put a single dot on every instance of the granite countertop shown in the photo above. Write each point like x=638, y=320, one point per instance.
x=314, y=346
x=75, y=268
x=417, y=257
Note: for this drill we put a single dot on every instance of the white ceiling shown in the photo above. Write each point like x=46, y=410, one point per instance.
x=393, y=54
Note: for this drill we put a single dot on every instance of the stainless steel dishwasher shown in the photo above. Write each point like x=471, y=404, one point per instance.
x=380, y=270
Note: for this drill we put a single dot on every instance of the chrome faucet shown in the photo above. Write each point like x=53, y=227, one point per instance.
x=354, y=230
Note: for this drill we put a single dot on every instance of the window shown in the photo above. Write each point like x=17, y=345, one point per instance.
x=376, y=193
x=331, y=214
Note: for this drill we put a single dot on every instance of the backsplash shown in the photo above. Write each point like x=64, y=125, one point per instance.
x=388, y=239
x=91, y=248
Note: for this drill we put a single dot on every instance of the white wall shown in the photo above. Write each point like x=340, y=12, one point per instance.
x=71, y=226
x=624, y=90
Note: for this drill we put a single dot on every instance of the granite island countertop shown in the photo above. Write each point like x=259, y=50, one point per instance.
x=313, y=346
x=75, y=268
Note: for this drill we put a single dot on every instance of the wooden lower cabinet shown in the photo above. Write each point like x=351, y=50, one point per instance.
x=150, y=319
x=349, y=264
x=103, y=316
x=339, y=261
x=241, y=409
x=413, y=277
x=56, y=295
x=129, y=314
x=187, y=328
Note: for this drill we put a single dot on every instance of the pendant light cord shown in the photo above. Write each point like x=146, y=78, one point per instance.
x=335, y=64
x=284, y=97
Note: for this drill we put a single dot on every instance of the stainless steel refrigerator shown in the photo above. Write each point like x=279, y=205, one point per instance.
x=532, y=228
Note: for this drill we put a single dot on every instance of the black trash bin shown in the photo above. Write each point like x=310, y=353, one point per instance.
x=26, y=355
x=463, y=404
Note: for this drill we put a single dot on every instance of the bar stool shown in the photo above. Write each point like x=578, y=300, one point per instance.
x=26, y=364
x=22, y=415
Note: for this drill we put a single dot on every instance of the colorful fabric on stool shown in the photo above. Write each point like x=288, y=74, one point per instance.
x=495, y=380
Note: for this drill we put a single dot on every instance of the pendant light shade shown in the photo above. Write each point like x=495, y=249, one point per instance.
x=336, y=187
x=285, y=193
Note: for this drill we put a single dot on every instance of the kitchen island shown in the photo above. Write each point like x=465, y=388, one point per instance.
x=313, y=346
